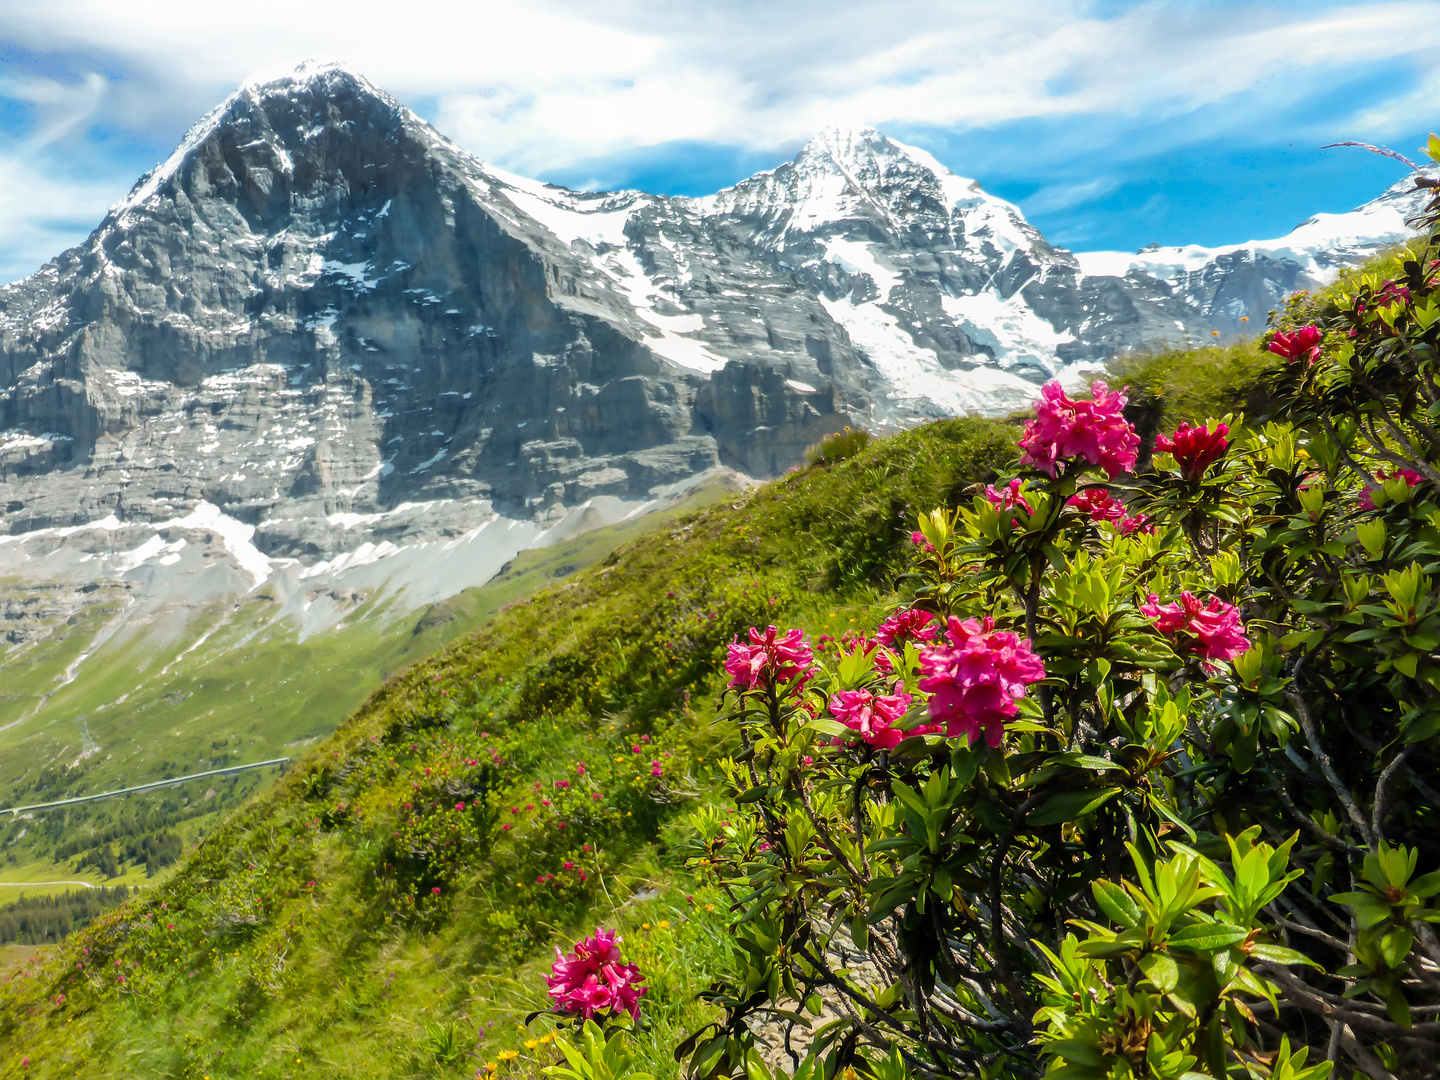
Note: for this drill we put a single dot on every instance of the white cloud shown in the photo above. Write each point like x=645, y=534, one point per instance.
x=43, y=212
x=1397, y=115
x=1063, y=196
x=542, y=85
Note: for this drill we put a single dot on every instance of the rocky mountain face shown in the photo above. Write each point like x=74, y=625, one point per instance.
x=1225, y=284
x=323, y=345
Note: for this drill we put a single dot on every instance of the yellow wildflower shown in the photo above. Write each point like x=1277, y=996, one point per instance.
x=509, y=1055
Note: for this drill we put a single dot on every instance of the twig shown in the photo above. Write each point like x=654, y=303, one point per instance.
x=1372, y=1065
x=1316, y=1001
x=1383, y=151
x=1317, y=748
x=1377, y=812
x=1329, y=839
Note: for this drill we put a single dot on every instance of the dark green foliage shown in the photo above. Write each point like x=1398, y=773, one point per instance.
x=45, y=920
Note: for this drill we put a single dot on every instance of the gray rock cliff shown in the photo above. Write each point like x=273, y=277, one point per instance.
x=320, y=329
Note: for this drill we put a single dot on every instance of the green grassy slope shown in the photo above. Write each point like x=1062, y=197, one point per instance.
x=389, y=905
x=236, y=686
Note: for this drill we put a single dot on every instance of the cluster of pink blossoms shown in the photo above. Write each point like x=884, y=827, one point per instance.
x=873, y=716
x=1098, y=503
x=910, y=625
x=767, y=659
x=1102, y=506
x=1008, y=497
x=975, y=681
x=1095, y=430
x=593, y=979
x=1137, y=523
x=1302, y=344
x=1195, y=448
x=1211, y=631
x=1410, y=476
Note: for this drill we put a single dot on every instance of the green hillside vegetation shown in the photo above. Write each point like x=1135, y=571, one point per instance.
x=308, y=924
x=391, y=905
x=252, y=691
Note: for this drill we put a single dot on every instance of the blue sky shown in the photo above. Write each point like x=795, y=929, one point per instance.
x=1111, y=124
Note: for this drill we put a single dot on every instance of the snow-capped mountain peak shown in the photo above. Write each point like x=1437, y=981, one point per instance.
x=305, y=76
x=312, y=81
x=1232, y=281
x=401, y=321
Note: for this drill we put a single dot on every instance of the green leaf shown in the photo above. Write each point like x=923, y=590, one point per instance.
x=1279, y=954
x=1075, y=1050
x=1069, y=805
x=1398, y=1007
x=1206, y=937
x=1426, y=886
x=825, y=726
x=1395, y=946
x=1161, y=970
x=1117, y=903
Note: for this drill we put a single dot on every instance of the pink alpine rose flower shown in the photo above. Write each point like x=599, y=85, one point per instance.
x=1392, y=293
x=1129, y=525
x=767, y=660
x=1195, y=448
x=910, y=625
x=593, y=978
x=1411, y=477
x=872, y=716
x=1211, y=631
x=974, y=681
x=1094, y=430
x=1098, y=503
x=1302, y=344
x=1008, y=497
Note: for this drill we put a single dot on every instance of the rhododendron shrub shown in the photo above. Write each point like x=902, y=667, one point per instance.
x=1144, y=788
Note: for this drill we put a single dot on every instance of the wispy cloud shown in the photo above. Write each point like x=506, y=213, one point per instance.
x=552, y=86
